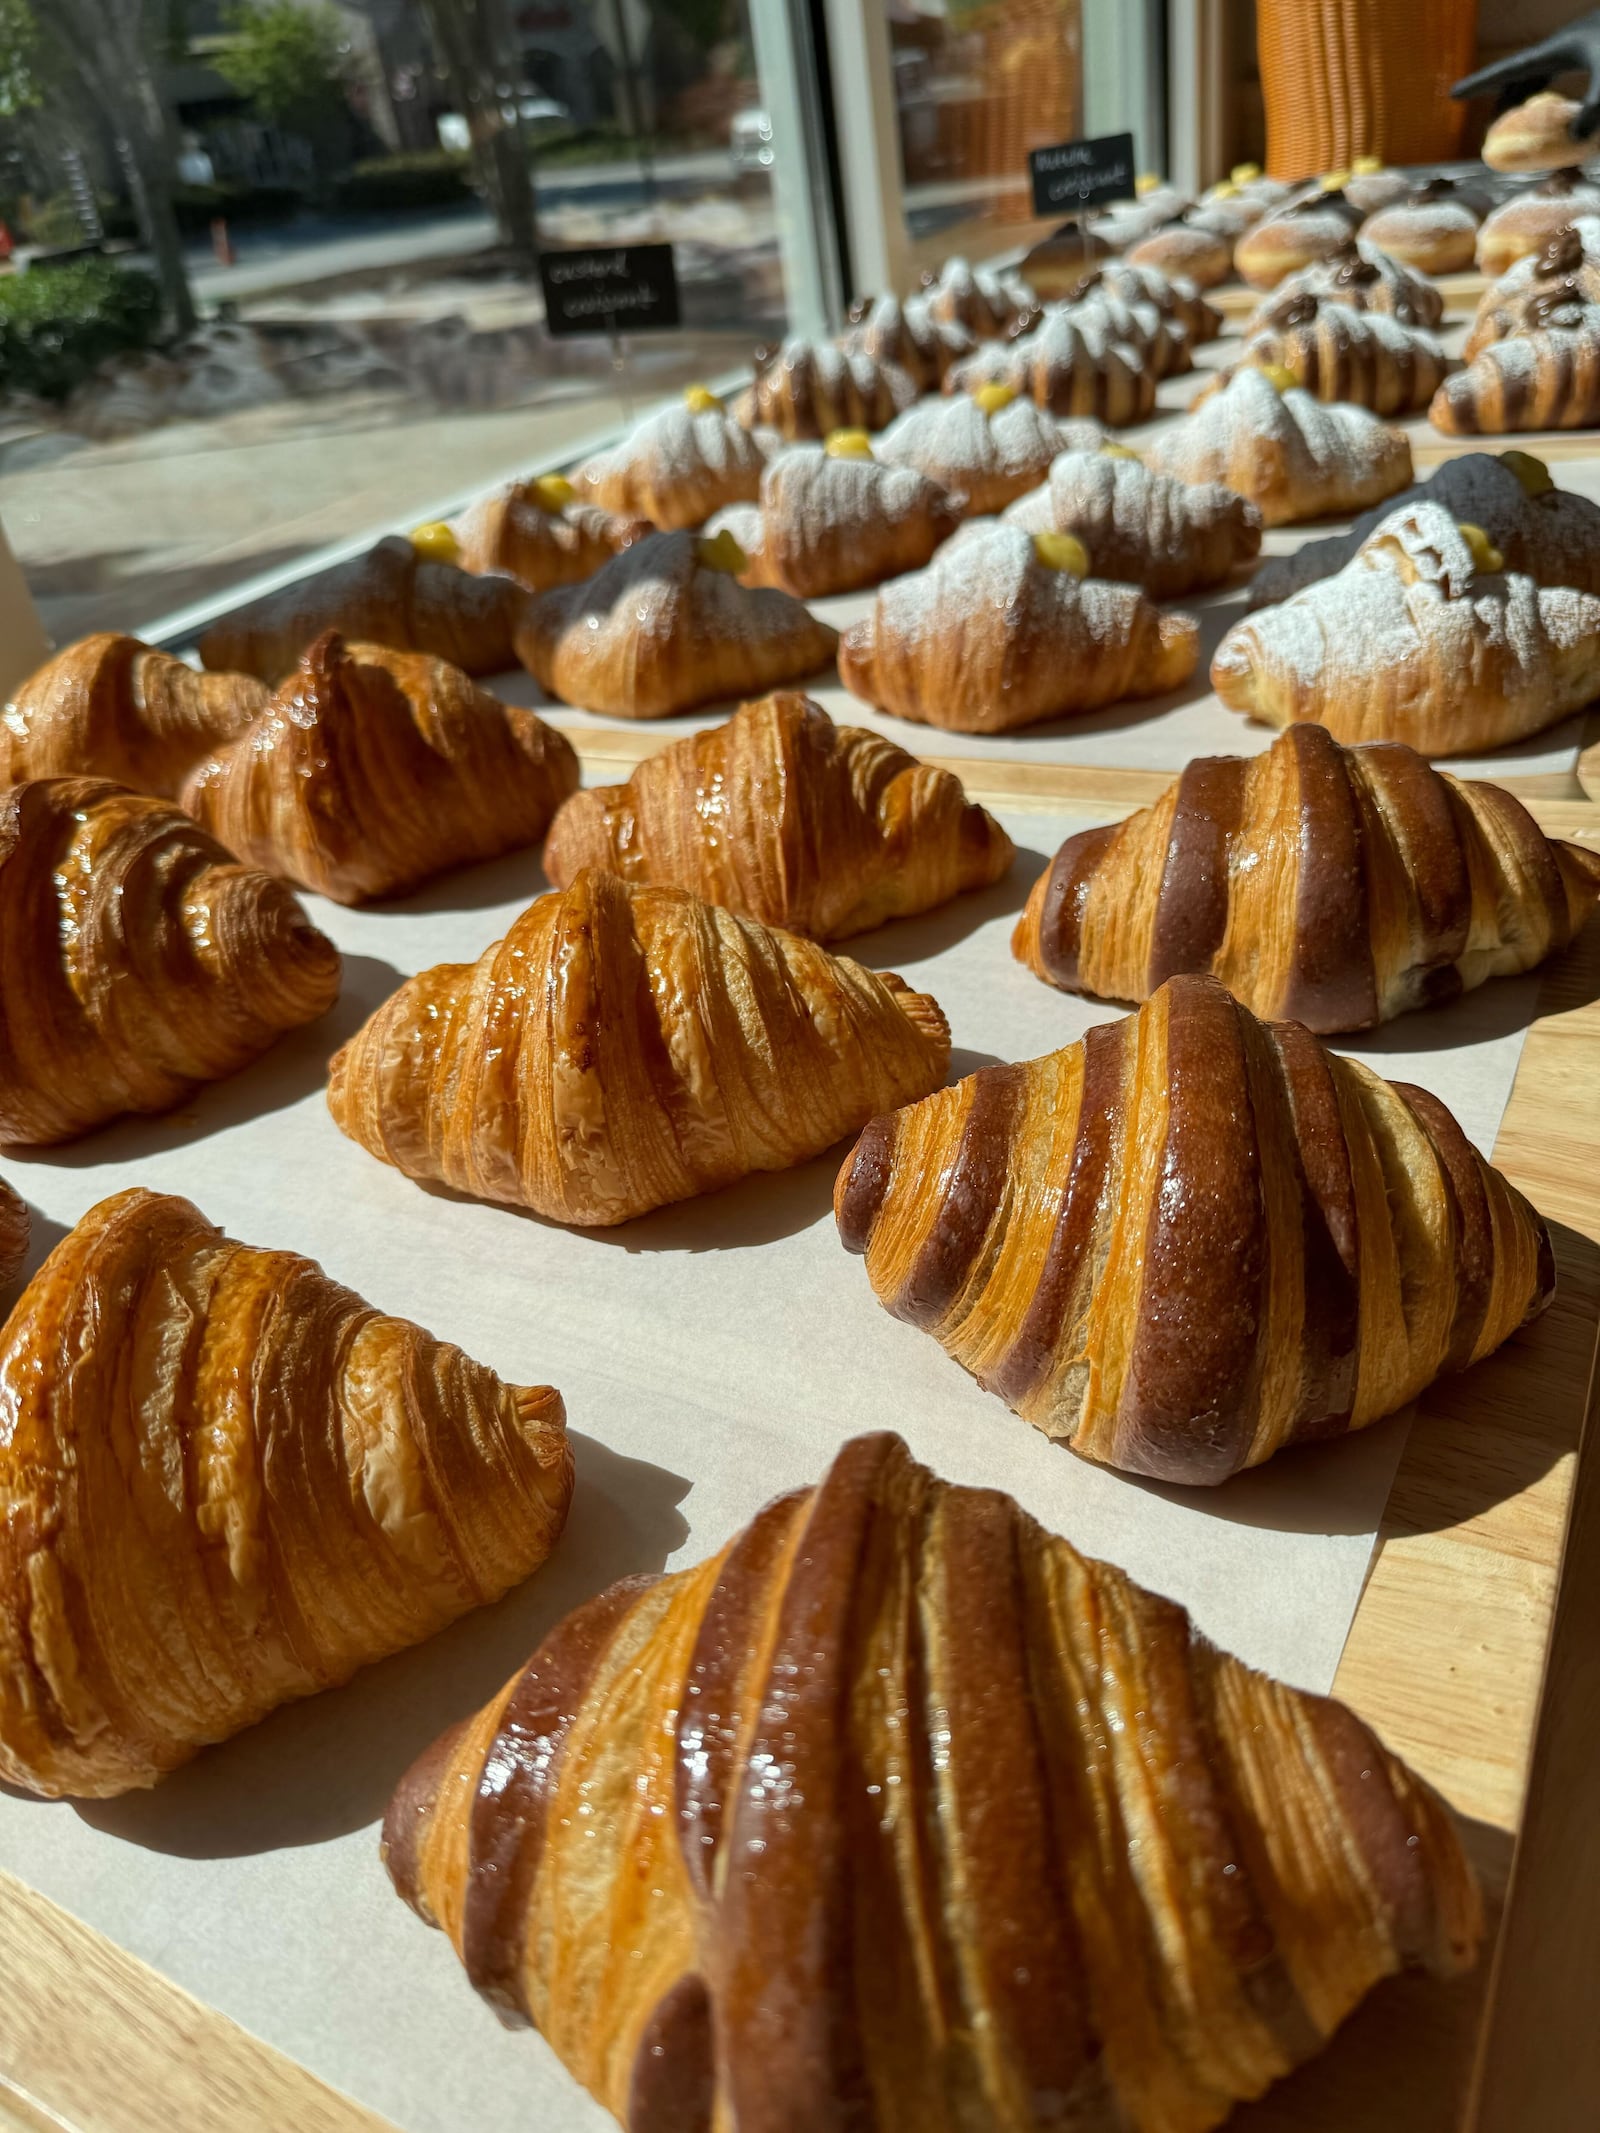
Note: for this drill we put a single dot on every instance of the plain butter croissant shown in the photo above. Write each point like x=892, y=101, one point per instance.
x=1336, y=886
x=625, y=1047
x=784, y=817
x=229, y=1482
x=1169, y=537
x=111, y=707
x=1193, y=1238
x=137, y=958
x=372, y=770
x=901, y=1815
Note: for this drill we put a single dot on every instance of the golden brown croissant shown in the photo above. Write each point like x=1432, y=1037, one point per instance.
x=371, y=771
x=1547, y=378
x=229, y=1482
x=392, y=595
x=1568, y=306
x=677, y=467
x=807, y=389
x=1193, y=1238
x=665, y=626
x=991, y=637
x=915, y=1820
x=541, y=534
x=111, y=707
x=1335, y=886
x=986, y=303
x=990, y=452
x=1421, y=638
x=1069, y=365
x=1170, y=537
x=836, y=520
x=626, y=1047
x=1366, y=358
x=13, y=1234
x=1362, y=277
x=784, y=817
x=1174, y=295
x=908, y=336
x=137, y=958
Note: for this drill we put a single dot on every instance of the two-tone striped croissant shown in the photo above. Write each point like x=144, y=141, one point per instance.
x=1169, y=537
x=1193, y=1238
x=1068, y=365
x=808, y=389
x=985, y=302
x=13, y=1234
x=1363, y=278
x=626, y=1047
x=228, y=1483
x=111, y=707
x=784, y=817
x=137, y=958
x=1334, y=886
x=902, y=1816
x=1544, y=379
x=373, y=770
x=1364, y=358
x=908, y=336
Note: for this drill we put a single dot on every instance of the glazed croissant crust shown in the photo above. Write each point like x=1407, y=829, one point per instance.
x=13, y=1234
x=1337, y=886
x=1193, y=1238
x=111, y=707
x=229, y=1482
x=784, y=817
x=1365, y=358
x=137, y=958
x=626, y=1047
x=373, y=770
x=943, y=1826
x=1169, y=537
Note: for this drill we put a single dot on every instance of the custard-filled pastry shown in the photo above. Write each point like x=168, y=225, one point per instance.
x=808, y=389
x=1537, y=135
x=989, y=447
x=1291, y=455
x=1068, y=365
x=111, y=707
x=13, y=1234
x=667, y=625
x=908, y=336
x=677, y=467
x=1544, y=378
x=1372, y=184
x=1192, y=1238
x=784, y=817
x=1435, y=231
x=138, y=959
x=1423, y=637
x=912, y=1865
x=1528, y=220
x=986, y=303
x=230, y=1483
x=1175, y=296
x=1185, y=246
x=1361, y=277
x=396, y=594
x=625, y=1047
x=1295, y=236
x=1334, y=886
x=1170, y=537
x=539, y=533
x=1569, y=261
x=1003, y=630
x=371, y=771
x=1551, y=535
x=835, y=519
x=1570, y=305
x=1363, y=358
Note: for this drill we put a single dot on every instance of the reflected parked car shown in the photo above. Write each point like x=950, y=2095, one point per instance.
x=455, y=134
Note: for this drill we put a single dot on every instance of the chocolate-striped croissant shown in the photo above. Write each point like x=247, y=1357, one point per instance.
x=1547, y=379
x=908, y=336
x=835, y=522
x=1362, y=277
x=111, y=707
x=1193, y=1238
x=229, y=1483
x=13, y=1234
x=901, y=1815
x=625, y=1047
x=1174, y=295
x=137, y=958
x=1336, y=886
x=1366, y=358
x=1068, y=365
x=372, y=770
x=810, y=388
x=1158, y=338
x=986, y=303
x=1145, y=529
x=784, y=817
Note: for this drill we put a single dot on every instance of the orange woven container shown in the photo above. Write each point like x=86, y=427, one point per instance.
x=1346, y=78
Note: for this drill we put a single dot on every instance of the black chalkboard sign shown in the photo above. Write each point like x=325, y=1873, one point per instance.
x=1080, y=174
x=609, y=288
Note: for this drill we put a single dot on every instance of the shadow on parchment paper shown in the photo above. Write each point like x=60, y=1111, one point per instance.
x=320, y=1768
x=917, y=940
x=513, y=877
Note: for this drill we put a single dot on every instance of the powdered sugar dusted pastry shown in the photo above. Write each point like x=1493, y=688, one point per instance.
x=992, y=636
x=1546, y=378
x=1057, y=263
x=1435, y=231
x=834, y=522
x=812, y=387
x=1371, y=186
x=1571, y=258
x=1361, y=356
x=1295, y=236
x=989, y=449
x=1183, y=247
x=540, y=533
x=677, y=467
x=1294, y=457
x=1536, y=135
x=984, y=302
x=908, y=336
x=1175, y=296
x=1070, y=364
x=1362, y=277
x=1170, y=537
x=1421, y=638
x=1528, y=220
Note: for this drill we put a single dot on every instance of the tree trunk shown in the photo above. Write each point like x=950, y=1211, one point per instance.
x=467, y=38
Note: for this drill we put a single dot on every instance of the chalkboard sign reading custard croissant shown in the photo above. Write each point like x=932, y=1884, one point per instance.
x=609, y=288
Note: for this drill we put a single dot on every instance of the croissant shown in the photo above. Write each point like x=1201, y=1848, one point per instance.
x=1175, y=296
x=991, y=636
x=1422, y=639
x=917, y=1820
x=1529, y=219
x=1170, y=537
x=1290, y=455
x=1193, y=1238
x=392, y=595
x=1069, y=366
x=1056, y=268
x=1551, y=535
x=229, y=1483
x=1360, y=276
x=908, y=336
x=13, y=1234
x=989, y=450
x=625, y=1047
x=1434, y=232
x=667, y=625
x=1536, y=135
x=371, y=771
x=111, y=707
x=786, y=818
x=1567, y=306
x=1568, y=264
x=677, y=467
x=985, y=303
x=810, y=388
x=539, y=533
x=1337, y=886
x=137, y=958
x=1160, y=340
x=835, y=521
x=1543, y=380
x=1366, y=358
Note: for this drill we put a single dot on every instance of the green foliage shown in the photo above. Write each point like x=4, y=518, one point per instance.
x=289, y=60
x=433, y=177
x=57, y=324
x=19, y=58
